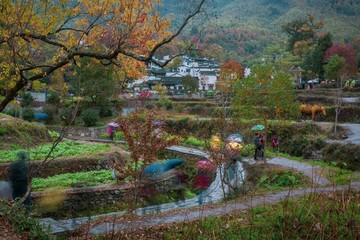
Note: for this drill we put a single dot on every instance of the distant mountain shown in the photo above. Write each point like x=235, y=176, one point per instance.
x=242, y=28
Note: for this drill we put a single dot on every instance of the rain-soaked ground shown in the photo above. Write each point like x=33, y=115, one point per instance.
x=214, y=193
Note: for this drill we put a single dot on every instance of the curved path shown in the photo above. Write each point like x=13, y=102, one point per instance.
x=353, y=135
x=211, y=195
x=314, y=173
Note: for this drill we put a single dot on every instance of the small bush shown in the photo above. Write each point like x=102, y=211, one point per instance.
x=28, y=114
x=90, y=117
x=159, y=104
x=168, y=105
x=26, y=100
x=149, y=106
x=66, y=114
x=179, y=108
x=193, y=141
x=51, y=111
x=195, y=109
x=53, y=98
x=22, y=223
x=343, y=155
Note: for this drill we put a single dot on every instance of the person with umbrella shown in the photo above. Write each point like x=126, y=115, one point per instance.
x=111, y=130
x=257, y=146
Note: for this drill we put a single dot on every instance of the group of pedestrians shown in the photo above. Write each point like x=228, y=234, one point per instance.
x=259, y=144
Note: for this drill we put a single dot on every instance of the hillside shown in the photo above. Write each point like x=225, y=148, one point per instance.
x=15, y=133
x=241, y=28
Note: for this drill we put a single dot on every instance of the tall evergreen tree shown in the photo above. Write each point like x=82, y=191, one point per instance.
x=314, y=60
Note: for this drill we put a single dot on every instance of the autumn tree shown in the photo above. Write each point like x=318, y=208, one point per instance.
x=350, y=56
x=302, y=33
x=39, y=38
x=230, y=73
x=341, y=63
x=144, y=140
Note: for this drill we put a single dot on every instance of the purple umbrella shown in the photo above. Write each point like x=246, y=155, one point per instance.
x=235, y=137
x=113, y=124
x=159, y=123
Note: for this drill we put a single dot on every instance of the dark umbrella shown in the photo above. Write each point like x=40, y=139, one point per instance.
x=41, y=116
x=159, y=168
x=154, y=169
x=172, y=163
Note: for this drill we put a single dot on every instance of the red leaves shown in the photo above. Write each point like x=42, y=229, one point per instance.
x=347, y=52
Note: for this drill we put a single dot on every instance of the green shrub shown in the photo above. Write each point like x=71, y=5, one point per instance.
x=90, y=117
x=159, y=104
x=179, y=108
x=282, y=179
x=343, y=155
x=23, y=223
x=27, y=99
x=105, y=110
x=66, y=114
x=51, y=111
x=53, y=134
x=53, y=98
x=195, y=109
x=149, y=106
x=13, y=110
x=168, y=105
x=193, y=141
x=28, y=114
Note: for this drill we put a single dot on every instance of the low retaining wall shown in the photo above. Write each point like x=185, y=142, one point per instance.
x=98, y=196
x=60, y=166
x=78, y=199
x=90, y=132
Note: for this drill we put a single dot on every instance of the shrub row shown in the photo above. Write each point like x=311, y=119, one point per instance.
x=343, y=155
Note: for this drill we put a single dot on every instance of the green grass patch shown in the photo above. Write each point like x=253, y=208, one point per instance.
x=80, y=179
x=63, y=149
x=193, y=141
x=301, y=218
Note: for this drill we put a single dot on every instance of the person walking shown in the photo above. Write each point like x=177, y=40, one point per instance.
x=261, y=146
x=257, y=146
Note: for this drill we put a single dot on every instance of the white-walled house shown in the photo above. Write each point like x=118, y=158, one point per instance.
x=207, y=80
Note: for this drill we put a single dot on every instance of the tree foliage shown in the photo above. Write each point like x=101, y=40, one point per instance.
x=38, y=38
x=144, y=139
x=335, y=67
x=191, y=84
x=230, y=72
x=265, y=94
x=302, y=33
x=347, y=52
x=314, y=59
x=93, y=80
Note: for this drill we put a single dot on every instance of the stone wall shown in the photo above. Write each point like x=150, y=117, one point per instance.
x=99, y=196
x=87, y=198
x=90, y=132
x=61, y=166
